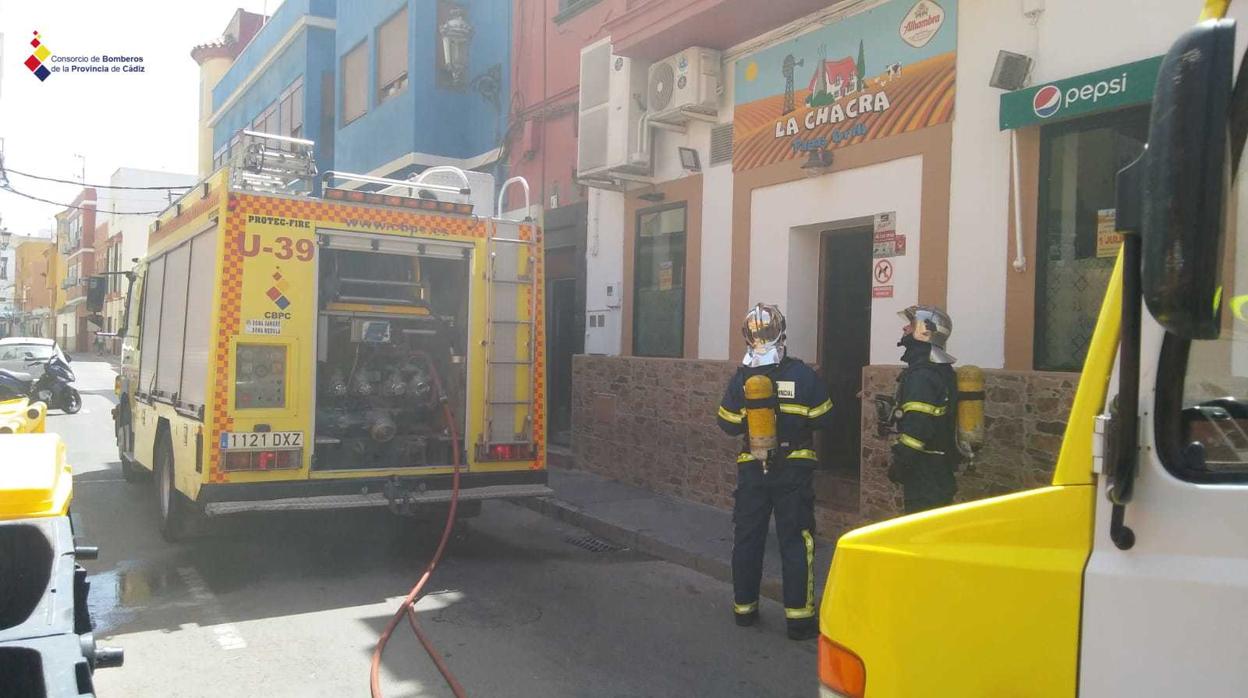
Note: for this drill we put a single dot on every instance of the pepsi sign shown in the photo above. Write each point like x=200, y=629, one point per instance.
x=1047, y=101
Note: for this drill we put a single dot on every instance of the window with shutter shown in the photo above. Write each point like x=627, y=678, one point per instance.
x=355, y=83
x=392, y=56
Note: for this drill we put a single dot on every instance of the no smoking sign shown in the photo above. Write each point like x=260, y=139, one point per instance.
x=883, y=271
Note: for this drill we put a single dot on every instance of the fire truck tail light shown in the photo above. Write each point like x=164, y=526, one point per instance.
x=840, y=670
x=237, y=460
x=505, y=452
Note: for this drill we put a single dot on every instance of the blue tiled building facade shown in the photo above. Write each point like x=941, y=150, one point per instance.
x=369, y=82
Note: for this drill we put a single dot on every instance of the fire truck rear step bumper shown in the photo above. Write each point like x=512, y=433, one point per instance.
x=374, y=499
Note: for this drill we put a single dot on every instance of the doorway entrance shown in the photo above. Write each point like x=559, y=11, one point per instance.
x=564, y=243
x=562, y=332
x=844, y=347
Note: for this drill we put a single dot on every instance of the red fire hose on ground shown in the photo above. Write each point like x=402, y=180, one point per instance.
x=407, y=608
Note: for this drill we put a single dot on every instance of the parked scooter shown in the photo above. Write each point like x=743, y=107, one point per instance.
x=52, y=388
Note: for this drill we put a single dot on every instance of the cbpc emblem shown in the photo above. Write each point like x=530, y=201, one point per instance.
x=277, y=292
x=1046, y=101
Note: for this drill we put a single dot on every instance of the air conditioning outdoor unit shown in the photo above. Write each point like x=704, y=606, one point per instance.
x=612, y=98
x=684, y=84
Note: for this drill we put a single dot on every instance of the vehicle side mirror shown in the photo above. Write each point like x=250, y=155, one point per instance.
x=29, y=356
x=1185, y=181
x=69, y=359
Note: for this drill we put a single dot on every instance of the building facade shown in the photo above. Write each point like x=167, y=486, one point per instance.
x=33, y=294
x=541, y=145
x=403, y=104
x=75, y=240
x=214, y=59
x=280, y=82
x=845, y=162
x=8, y=288
x=24, y=285
x=385, y=89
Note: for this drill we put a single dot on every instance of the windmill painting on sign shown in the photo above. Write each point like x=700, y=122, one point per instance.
x=874, y=74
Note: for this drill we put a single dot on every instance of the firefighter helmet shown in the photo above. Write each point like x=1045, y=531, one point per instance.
x=763, y=330
x=935, y=329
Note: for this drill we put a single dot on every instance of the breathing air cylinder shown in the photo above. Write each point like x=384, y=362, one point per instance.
x=760, y=415
x=970, y=410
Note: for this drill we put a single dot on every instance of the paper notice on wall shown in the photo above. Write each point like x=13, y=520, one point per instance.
x=1108, y=239
x=881, y=291
x=888, y=244
x=665, y=276
x=886, y=222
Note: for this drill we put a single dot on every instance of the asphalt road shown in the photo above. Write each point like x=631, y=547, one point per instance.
x=291, y=604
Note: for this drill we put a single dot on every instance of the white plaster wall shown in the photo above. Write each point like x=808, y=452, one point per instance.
x=784, y=263
x=979, y=233
x=1077, y=36
x=714, y=325
x=604, y=264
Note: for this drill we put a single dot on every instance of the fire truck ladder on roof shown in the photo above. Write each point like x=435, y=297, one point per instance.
x=266, y=162
x=510, y=341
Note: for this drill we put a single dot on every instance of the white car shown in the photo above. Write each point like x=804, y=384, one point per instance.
x=28, y=354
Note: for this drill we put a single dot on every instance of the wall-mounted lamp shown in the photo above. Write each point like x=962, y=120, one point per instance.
x=689, y=159
x=818, y=162
x=652, y=196
x=1012, y=71
x=456, y=33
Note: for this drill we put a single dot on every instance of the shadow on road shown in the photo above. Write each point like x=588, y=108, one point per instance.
x=284, y=563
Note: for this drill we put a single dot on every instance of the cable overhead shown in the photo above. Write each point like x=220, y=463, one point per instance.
x=95, y=186
x=11, y=190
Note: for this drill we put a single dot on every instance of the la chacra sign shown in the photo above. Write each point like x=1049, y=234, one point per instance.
x=878, y=73
x=1111, y=88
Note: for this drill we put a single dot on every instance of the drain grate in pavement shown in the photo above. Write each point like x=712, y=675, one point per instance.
x=593, y=544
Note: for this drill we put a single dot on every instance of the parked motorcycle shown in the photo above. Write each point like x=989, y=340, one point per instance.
x=52, y=388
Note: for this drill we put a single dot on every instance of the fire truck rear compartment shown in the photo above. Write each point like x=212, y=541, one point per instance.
x=391, y=335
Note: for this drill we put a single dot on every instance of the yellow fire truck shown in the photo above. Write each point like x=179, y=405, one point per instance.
x=1128, y=576
x=285, y=351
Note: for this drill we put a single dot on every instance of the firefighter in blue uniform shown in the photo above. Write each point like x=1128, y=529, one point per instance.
x=925, y=413
x=780, y=483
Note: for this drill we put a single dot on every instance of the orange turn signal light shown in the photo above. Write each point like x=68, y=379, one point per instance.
x=841, y=670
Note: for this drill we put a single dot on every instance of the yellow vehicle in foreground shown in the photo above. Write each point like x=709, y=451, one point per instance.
x=285, y=351
x=47, y=643
x=1128, y=576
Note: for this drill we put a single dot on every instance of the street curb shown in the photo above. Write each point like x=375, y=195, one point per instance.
x=640, y=541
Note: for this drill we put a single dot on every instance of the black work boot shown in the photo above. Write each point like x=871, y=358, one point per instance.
x=745, y=620
x=803, y=628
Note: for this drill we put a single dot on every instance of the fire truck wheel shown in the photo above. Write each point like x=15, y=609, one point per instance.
x=173, y=508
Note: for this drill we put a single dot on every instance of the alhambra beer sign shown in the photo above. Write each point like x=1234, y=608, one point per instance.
x=878, y=73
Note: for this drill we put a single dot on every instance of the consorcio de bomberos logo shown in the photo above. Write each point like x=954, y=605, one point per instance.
x=38, y=56
x=1046, y=101
x=42, y=62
